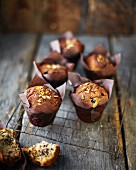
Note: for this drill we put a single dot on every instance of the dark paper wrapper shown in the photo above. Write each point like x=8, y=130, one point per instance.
x=105, y=72
x=21, y=164
x=41, y=119
x=71, y=54
x=53, y=58
x=84, y=112
x=55, y=46
x=89, y=115
x=67, y=34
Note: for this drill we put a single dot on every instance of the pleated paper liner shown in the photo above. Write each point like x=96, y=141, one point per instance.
x=86, y=113
x=106, y=72
x=54, y=79
x=42, y=118
x=71, y=54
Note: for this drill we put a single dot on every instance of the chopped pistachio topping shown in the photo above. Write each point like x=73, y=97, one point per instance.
x=87, y=90
x=54, y=66
x=39, y=100
x=48, y=97
x=44, y=97
x=83, y=88
x=83, y=97
x=100, y=58
x=38, y=88
x=44, y=94
x=69, y=44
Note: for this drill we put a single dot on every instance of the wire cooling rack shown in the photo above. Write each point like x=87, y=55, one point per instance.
x=66, y=128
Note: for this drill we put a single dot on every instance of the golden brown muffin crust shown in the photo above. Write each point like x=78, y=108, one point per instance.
x=38, y=96
x=58, y=69
x=43, y=153
x=92, y=94
x=69, y=43
x=97, y=62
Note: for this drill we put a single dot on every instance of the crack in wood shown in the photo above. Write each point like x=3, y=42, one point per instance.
x=121, y=112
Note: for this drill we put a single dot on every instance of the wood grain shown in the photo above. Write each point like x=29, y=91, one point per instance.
x=15, y=55
x=46, y=15
x=83, y=146
x=134, y=17
x=109, y=17
x=101, y=17
x=127, y=82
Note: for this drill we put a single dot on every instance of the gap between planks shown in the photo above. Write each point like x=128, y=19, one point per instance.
x=121, y=131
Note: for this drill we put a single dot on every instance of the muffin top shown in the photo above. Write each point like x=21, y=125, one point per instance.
x=43, y=99
x=54, y=69
x=92, y=94
x=66, y=44
x=97, y=62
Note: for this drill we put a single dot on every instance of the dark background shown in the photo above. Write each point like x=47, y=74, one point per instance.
x=99, y=17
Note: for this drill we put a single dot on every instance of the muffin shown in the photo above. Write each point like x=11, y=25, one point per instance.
x=45, y=102
x=89, y=98
x=10, y=151
x=58, y=73
x=42, y=154
x=96, y=62
x=71, y=49
x=100, y=64
x=41, y=102
x=91, y=94
x=54, y=68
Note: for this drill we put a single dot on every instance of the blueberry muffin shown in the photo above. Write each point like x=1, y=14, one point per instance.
x=42, y=154
x=89, y=100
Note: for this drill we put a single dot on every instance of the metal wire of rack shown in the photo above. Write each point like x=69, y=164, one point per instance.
x=66, y=128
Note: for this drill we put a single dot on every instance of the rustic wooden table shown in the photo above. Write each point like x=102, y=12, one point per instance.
x=105, y=145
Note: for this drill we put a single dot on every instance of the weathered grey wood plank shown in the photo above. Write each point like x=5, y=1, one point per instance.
x=83, y=146
x=15, y=55
x=127, y=82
